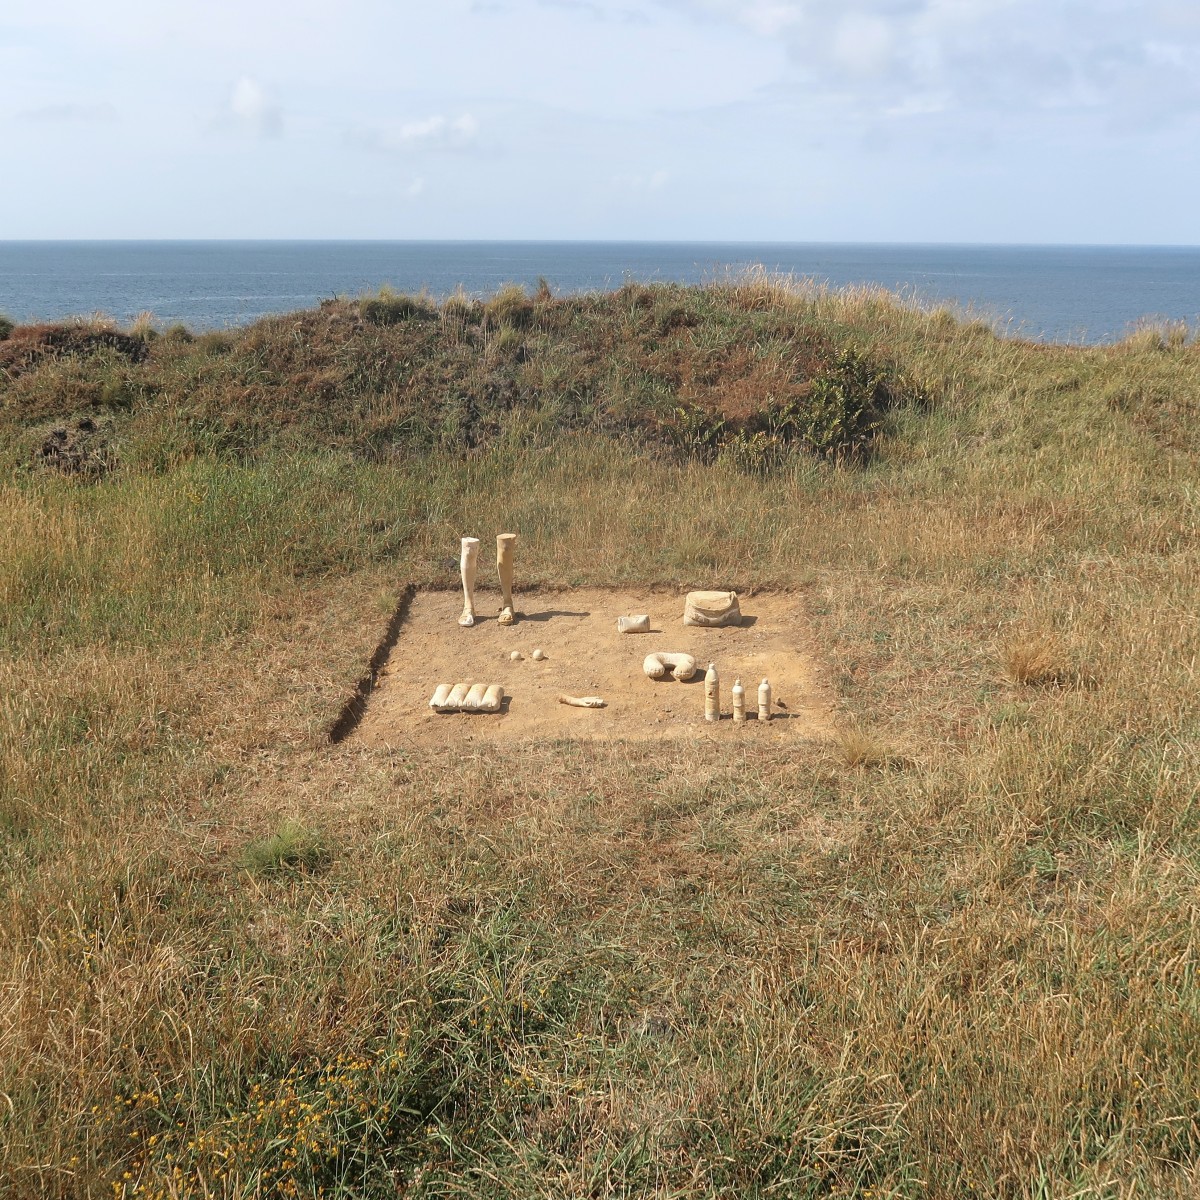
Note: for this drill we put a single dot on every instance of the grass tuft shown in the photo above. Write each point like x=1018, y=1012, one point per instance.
x=1033, y=661
x=857, y=748
x=290, y=849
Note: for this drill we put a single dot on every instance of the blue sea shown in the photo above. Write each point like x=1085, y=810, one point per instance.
x=1053, y=293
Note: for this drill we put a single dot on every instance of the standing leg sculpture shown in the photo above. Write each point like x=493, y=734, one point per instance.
x=469, y=565
x=504, y=568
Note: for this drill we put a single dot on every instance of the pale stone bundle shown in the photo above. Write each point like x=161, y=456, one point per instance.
x=468, y=697
x=712, y=609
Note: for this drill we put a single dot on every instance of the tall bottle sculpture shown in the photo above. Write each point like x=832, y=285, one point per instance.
x=712, y=694
x=764, y=701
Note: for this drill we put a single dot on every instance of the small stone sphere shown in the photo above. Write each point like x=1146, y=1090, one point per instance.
x=516, y=656
x=538, y=654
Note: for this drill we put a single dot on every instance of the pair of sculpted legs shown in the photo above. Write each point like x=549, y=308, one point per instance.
x=469, y=565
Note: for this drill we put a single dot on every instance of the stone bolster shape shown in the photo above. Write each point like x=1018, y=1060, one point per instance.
x=468, y=697
x=581, y=701
x=636, y=624
x=711, y=609
x=656, y=665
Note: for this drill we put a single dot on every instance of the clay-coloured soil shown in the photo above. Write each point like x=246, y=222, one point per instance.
x=585, y=656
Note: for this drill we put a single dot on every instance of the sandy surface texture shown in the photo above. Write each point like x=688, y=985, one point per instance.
x=586, y=656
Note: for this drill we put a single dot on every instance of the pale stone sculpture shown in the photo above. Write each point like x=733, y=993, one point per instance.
x=469, y=567
x=538, y=655
x=712, y=609
x=656, y=665
x=504, y=568
x=738, y=693
x=764, y=701
x=581, y=701
x=638, y=624
x=516, y=656
x=462, y=697
x=712, y=694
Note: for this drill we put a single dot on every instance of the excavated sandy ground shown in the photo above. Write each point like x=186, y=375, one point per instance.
x=585, y=656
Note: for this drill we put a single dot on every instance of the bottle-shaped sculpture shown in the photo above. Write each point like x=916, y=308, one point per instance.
x=712, y=694
x=764, y=701
x=738, y=695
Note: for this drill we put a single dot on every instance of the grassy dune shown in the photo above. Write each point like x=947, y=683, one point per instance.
x=952, y=954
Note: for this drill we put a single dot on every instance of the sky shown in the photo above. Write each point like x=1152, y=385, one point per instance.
x=1067, y=121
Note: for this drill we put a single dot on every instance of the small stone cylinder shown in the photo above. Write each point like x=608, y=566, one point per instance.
x=636, y=624
x=738, y=694
x=764, y=701
x=712, y=694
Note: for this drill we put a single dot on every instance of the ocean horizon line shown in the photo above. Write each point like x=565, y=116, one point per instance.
x=526, y=241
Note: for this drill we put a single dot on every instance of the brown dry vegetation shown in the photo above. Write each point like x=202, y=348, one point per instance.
x=952, y=954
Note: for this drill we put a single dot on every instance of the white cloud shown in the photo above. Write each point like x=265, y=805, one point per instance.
x=1002, y=58
x=415, y=188
x=69, y=113
x=918, y=106
x=427, y=133
x=439, y=131
x=250, y=106
x=862, y=43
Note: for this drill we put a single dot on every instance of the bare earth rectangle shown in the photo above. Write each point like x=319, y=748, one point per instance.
x=586, y=656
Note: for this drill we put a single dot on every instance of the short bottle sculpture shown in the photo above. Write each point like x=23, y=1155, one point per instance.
x=764, y=701
x=504, y=568
x=712, y=694
x=738, y=695
x=469, y=567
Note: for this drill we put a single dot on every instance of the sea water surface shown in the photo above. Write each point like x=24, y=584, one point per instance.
x=1055, y=293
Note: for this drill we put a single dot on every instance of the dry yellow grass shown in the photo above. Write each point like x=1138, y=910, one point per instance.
x=622, y=969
